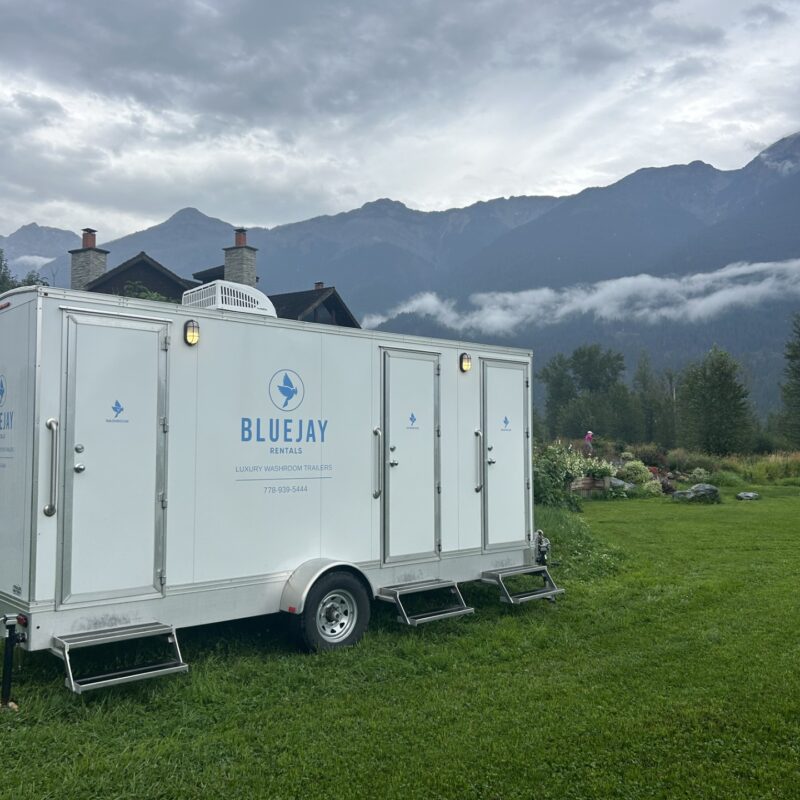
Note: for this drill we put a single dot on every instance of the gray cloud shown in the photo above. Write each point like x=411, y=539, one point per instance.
x=114, y=114
x=764, y=14
x=640, y=298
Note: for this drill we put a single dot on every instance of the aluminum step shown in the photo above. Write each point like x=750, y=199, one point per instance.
x=497, y=577
x=64, y=644
x=394, y=594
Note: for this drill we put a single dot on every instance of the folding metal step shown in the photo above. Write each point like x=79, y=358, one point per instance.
x=497, y=576
x=63, y=645
x=394, y=594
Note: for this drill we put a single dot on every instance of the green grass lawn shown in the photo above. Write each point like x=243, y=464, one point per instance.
x=670, y=669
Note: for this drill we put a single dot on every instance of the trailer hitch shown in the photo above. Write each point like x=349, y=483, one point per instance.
x=541, y=548
x=13, y=637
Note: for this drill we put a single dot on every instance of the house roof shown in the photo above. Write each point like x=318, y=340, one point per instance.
x=115, y=274
x=297, y=305
x=301, y=305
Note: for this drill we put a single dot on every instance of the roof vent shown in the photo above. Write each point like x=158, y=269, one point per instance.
x=230, y=297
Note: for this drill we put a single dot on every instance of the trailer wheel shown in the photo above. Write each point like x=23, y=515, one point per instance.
x=336, y=612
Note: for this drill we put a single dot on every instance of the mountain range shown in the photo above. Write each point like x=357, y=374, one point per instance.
x=567, y=268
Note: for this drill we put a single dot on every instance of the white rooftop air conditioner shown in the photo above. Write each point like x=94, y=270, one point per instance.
x=230, y=297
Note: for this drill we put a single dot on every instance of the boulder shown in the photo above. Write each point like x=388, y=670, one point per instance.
x=748, y=496
x=699, y=493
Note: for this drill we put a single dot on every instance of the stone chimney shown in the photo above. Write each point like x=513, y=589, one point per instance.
x=88, y=262
x=240, y=260
x=319, y=285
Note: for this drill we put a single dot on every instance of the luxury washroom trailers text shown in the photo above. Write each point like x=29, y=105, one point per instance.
x=167, y=465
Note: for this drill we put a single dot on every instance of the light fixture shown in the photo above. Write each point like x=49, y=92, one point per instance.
x=465, y=362
x=191, y=332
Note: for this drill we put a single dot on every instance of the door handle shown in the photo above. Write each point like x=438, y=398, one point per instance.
x=80, y=467
x=479, y=442
x=52, y=426
x=378, y=434
x=394, y=462
x=491, y=461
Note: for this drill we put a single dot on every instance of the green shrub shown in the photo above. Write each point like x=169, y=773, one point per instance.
x=702, y=461
x=735, y=464
x=554, y=468
x=678, y=459
x=635, y=472
x=699, y=475
x=724, y=477
x=626, y=455
x=650, y=454
x=597, y=468
x=649, y=489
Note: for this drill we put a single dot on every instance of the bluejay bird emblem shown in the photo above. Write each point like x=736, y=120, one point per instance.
x=287, y=389
x=412, y=419
x=2, y=389
x=117, y=408
x=506, y=422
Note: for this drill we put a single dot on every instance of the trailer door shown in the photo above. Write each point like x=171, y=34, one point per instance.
x=114, y=468
x=411, y=422
x=506, y=513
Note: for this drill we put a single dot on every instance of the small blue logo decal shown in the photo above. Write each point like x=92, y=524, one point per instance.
x=506, y=423
x=286, y=390
x=2, y=389
x=117, y=408
x=412, y=419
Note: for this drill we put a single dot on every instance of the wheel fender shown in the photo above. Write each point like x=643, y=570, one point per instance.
x=295, y=591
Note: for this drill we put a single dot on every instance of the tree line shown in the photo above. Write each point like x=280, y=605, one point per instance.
x=703, y=407
x=8, y=281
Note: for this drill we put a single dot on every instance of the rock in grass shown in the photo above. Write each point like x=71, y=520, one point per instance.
x=699, y=493
x=748, y=496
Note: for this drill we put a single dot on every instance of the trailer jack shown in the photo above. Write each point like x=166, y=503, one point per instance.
x=13, y=638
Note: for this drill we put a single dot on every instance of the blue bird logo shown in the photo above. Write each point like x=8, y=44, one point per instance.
x=506, y=422
x=412, y=419
x=2, y=389
x=287, y=389
x=117, y=408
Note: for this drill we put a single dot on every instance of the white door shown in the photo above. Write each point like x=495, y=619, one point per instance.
x=114, y=468
x=506, y=431
x=410, y=414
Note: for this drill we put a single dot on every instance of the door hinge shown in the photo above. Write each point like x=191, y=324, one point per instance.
x=527, y=384
x=162, y=578
x=165, y=343
x=438, y=488
x=438, y=369
x=163, y=498
x=438, y=432
x=527, y=434
x=164, y=424
x=438, y=547
x=528, y=485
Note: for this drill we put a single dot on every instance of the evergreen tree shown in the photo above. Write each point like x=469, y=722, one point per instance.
x=557, y=376
x=6, y=278
x=595, y=369
x=791, y=389
x=8, y=281
x=715, y=415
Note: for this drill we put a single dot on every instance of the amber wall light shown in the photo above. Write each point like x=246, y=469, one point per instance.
x=191, y=332
x=465, y=362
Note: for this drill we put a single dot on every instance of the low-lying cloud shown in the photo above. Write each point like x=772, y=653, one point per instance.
x=640, y=298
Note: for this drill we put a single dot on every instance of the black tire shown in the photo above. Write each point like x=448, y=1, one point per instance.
x=336, y=612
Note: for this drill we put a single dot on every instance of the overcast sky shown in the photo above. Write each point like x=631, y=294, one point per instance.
x=116, y=114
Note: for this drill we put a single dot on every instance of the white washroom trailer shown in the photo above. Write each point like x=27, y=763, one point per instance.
x=149, y=483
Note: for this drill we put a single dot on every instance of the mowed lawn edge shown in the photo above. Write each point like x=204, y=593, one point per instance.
x=668, y=669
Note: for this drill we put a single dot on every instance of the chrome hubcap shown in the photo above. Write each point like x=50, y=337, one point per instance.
x=336, y=615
